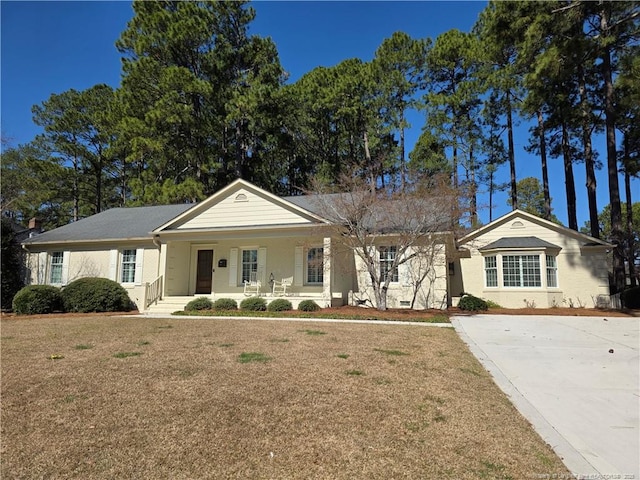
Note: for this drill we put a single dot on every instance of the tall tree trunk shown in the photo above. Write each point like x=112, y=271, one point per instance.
x=402, y=162
x=588, y=157
x=512, y=158
x=545, y=170
x=367, y=155
x=471, y=180
x=612, y=161
x=491, y=188
x=569, y=182
x=629, y=203
x=76, y=190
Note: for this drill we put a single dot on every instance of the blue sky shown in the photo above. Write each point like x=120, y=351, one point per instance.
x=50, y=47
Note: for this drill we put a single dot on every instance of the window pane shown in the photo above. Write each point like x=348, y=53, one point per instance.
x=387, y=257
x=56, y=267
x=128, y=266
x=552, y=271
x=491, y=271
x=315, y=265
x=511, y=271
x=249, y=265
x=531, y=271
x=521, y=271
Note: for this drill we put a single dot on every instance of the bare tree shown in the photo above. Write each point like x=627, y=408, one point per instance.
x=388, y=230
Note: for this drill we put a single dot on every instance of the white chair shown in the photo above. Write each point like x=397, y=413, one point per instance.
x=280, y=287
x=252, y=286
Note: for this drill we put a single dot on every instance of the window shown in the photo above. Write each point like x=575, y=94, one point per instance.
x=521, y=271
x=55, y=273
x=491, y=271
x=128, y=269
x=315, y=265
x=552, y=271
x=249, y=265
x=387, y=258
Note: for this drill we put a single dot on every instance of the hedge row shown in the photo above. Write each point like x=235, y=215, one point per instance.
x=83, y=295
x=252, y=304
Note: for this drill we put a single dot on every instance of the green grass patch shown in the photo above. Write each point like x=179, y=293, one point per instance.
x=356, y=373
x=471, y=371
x=343, y=355
x=161, y=327
x=83, y=347
x=314, y=332
x=142, y=343
x=226, y=345
x=279, y=340
x=247, y=357
x=396, y=353
x=126, y=354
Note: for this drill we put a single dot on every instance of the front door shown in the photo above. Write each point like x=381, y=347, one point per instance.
x=204, y=271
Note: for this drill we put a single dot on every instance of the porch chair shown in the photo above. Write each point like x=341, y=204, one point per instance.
x=252, y=286
x=280, y=287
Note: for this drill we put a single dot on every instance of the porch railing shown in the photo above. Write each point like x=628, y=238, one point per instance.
x=153, y=292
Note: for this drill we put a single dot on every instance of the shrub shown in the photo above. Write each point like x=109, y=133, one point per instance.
x=92, y=294
x=631, y=297
x=472, y=304
x=36, y=299
x=254, y=304
x=280, y=305
x=308, y=306
x=200, y=303
x=492, y=304
x=225, y=304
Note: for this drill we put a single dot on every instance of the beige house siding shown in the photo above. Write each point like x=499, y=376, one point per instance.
x=581, y=271
x=243, y=208
x=94, y=261
x=421, y=280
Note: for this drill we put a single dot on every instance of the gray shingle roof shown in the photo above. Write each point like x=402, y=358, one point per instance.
x=113, y=224
x=518, y=242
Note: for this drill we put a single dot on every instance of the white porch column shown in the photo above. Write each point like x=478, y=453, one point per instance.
x=327, y=270
x=162, y=267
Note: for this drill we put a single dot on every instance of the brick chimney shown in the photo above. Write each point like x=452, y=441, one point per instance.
x=35, y=225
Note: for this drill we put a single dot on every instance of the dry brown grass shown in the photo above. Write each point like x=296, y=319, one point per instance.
x=421, y=407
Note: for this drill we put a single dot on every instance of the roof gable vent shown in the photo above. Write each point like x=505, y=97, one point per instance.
x=241, y=197
x=517, y=224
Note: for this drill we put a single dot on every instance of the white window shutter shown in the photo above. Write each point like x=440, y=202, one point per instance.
x=65, y=267
x=298, y=273
x=42, y=269
x=139, y=263
x=113, y=265
x=262, y=264
x=233, y=267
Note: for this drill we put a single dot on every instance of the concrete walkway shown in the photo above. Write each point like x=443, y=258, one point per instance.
x=558, y=371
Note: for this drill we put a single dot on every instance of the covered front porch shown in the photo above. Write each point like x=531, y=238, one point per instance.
x=295, y=266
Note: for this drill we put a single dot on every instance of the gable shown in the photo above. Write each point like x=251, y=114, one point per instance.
x=241, y=205
x=519, y=225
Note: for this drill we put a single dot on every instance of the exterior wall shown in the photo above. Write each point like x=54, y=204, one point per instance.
x=94, y=261
x=421, y=281
x=582, y=272
x=243, y=208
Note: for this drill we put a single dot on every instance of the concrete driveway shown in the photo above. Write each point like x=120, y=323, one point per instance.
x=558, y=371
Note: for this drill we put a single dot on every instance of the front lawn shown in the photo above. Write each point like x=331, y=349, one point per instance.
x=102, y=397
